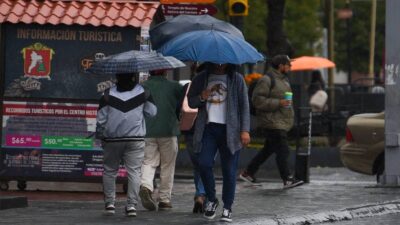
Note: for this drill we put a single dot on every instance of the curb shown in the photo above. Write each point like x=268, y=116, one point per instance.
x=320, y=156
x=368, y=210
x=13, y=202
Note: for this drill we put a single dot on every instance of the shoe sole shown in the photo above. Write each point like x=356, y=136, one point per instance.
x=109, y=212
x=226, y=220
x=209, y=217
x=146, y=201
x=131, y=214
x=293, y=185
x=245, y=179
x=248, y=181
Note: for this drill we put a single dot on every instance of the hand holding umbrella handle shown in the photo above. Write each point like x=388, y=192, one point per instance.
x=90, y=135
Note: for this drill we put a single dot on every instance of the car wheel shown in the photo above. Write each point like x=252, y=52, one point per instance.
x=21, y=185
x=4, y=185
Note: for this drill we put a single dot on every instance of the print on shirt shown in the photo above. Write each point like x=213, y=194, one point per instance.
x=217, y=100
x=218, y=92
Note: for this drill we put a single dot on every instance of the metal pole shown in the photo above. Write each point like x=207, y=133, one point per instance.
x=302, y=166
x=348, y=44
x=331, y=53
x=372, y=40
x=309, y=132
x=391, y=176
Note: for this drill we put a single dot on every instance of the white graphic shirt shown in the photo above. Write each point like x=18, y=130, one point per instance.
x=216, y=102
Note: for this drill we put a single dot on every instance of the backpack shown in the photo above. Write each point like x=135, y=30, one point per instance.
x=251, y=90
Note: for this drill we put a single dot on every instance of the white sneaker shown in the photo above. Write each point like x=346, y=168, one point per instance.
x=210, y=209
x=226, y=215
x=292, y=182
x=109, y=209
x=130, y=211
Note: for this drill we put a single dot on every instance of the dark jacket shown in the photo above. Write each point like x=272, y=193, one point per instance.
x=270, y=114
x=166, y=95
x=238, y=112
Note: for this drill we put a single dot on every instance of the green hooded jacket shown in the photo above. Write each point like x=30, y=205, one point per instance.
x=166, y=94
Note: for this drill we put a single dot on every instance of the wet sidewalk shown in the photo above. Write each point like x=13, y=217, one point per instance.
x=330, y=190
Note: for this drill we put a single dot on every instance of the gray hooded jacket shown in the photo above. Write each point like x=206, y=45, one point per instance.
x=121, y=114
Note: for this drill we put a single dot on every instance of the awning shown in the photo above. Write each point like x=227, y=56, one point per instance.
x=108, y=13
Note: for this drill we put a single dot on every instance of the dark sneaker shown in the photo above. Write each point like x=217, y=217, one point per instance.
x=164, y=206
x=247, y=177
x=199, y=204
x=226, y=215
x=292, y=182
x=147, y=200
x=109, y=209
x=130, y=211
x=210, y=209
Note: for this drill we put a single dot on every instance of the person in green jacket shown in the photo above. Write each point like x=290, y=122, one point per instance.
x=161, y=142
x=275, y=116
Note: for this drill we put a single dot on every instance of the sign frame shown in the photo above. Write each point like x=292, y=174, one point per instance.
x=188, y=9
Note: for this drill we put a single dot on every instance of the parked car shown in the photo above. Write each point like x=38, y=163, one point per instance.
x=365, y=147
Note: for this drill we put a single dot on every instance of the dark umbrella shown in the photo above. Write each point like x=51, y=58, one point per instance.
x=134, y=61
x=169, y=29
x=211, y=46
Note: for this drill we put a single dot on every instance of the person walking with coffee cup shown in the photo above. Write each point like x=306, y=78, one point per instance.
x=275, y=116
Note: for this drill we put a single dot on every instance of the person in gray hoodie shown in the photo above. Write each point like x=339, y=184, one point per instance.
x=223, y=124
x=121, y=127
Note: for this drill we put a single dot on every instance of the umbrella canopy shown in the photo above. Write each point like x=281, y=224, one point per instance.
x=211, y=46
x=133, y=62
x=169, y=29
x=311, y=63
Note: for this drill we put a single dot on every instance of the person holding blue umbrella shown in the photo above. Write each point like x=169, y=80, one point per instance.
x=211, y=46
x=223, y=124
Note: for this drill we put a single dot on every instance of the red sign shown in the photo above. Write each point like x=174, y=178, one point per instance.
x=37, y=61
x=344, y=13
x=181, y=9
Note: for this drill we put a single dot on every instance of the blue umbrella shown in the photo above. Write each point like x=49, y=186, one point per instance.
x=211, y=46
x=167, y=30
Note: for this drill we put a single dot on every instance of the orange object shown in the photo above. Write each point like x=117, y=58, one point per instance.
x=311, y=63
x=186, y=1
x=249, y=78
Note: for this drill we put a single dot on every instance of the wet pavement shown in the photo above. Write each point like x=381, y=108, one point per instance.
x=330, y=189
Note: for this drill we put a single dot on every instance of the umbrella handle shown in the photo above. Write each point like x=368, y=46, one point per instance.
x=90, y=135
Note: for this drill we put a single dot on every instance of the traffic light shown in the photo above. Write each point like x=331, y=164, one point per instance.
x=238, y=7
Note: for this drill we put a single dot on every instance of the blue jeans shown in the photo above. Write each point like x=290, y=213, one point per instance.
x=196, y=173
x=214, y=138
